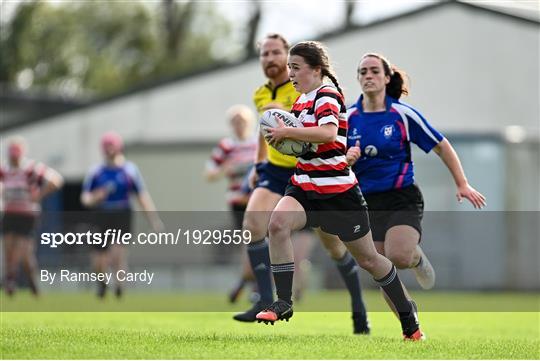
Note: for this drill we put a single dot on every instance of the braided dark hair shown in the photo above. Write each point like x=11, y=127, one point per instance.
x=315, y=54
x=398, y=78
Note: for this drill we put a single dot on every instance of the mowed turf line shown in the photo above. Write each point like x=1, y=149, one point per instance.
x=309, y=335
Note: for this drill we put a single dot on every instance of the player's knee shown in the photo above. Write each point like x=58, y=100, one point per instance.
x=279, y=225
x=401, y=261
x=255, y=226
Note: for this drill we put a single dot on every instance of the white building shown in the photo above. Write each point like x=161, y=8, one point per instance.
x=474, y=75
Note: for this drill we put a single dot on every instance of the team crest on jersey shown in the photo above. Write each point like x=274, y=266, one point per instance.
x=371, y=151
x=387, y=131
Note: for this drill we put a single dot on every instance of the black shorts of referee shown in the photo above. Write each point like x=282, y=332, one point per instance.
x=396, y=207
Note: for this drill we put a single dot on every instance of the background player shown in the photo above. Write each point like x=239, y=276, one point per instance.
x=233, y=158
x=107, y=189
x=381, y=131
x=25, y=183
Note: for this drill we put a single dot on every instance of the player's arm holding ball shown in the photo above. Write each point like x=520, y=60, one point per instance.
x=325, y=133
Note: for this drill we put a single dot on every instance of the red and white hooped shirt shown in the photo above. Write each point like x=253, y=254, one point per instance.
x=239, y=154
x=324, y=172
x=18, y=184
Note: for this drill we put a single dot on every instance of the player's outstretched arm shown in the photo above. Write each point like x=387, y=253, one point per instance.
x=147, y=204
x=450, y=158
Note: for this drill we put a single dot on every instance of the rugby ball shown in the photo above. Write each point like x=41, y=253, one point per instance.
x=269, y=119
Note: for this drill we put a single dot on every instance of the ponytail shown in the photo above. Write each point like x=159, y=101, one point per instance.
x=397, y=85
x=334, y=80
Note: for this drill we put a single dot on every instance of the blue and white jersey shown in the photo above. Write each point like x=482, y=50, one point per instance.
x=385, y=142
x=119, y=181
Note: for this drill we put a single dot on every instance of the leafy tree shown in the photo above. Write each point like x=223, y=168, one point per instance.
x=96, y=48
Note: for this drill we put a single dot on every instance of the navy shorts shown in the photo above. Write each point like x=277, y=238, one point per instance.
x=273, y=177
x=396, y=207
x=344, y=215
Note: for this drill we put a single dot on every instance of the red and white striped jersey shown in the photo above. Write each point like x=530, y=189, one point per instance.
x=18, y=185
x=324, y=172
x=236, y=157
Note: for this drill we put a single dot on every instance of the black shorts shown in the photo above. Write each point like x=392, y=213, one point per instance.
x=19, y=224
x=396, y=207
x=113, y=220
x=344, y=215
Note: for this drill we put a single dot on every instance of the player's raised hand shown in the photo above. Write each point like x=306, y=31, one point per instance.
x=353, y=153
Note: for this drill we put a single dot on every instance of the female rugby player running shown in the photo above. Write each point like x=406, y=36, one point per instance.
x=324, y=191
x=381, y=131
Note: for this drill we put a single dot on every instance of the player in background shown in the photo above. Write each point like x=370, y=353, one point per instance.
x=106, y=190
x=270, y=177
x=233, y=158
x=25, y=183
x=381, y=132
x=324, y=192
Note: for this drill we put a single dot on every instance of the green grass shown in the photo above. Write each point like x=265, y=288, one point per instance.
x=309, y=335
x=327, y=301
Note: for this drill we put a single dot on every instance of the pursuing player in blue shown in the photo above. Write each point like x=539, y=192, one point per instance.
x=381, y=131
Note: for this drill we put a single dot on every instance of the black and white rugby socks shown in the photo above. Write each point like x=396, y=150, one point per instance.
x=283, y=278
x=391, y=285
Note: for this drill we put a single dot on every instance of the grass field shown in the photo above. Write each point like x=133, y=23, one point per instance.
x=213, y=335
